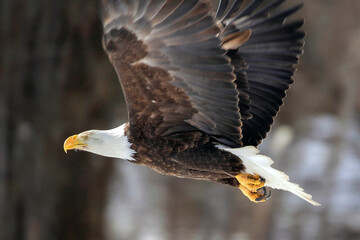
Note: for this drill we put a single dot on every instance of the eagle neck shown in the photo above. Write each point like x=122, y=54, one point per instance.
x=117, y=144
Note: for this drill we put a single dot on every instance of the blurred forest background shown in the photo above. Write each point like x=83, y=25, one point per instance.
x=55, y=80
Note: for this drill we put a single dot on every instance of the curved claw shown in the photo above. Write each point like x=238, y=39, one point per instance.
x=268, y=196
x=265, y=196
x=261, y=190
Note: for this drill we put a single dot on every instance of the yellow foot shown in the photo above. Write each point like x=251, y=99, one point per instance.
x=252, y=186
x=251, y=182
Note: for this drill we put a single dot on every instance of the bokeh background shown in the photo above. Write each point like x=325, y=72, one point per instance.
x=55, y=80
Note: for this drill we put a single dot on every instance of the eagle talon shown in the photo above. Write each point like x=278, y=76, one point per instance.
x=268, y=196
x=261, y=191
x=263, y=196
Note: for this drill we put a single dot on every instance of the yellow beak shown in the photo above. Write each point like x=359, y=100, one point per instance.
x=73, y=142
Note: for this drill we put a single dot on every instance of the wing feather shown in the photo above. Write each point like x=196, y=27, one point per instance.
x=265, y=62
x=176, y=75
x=188, y=65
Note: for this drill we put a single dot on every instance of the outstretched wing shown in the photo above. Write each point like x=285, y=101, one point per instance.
x=266, y=59
x=174, y=73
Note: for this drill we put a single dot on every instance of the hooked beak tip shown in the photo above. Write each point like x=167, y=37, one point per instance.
x=72, y=143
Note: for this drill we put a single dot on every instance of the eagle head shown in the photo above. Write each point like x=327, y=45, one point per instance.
x=108, y=143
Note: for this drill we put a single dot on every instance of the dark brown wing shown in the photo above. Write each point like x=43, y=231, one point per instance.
x=266, y=59
x=174, y=73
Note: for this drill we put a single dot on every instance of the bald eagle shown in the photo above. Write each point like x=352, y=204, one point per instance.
x=202, y=83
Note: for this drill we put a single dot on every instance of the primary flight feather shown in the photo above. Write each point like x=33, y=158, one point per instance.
x=202, y=84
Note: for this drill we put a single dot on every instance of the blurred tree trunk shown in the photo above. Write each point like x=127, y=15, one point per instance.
x=47, y=92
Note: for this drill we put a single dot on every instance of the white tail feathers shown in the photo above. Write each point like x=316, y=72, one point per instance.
x=261, y=165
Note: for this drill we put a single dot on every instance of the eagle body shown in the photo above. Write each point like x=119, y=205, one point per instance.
x=187, y=155
x=203, y=81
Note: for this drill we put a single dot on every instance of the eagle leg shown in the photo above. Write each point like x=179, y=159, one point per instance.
x=252, y=186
